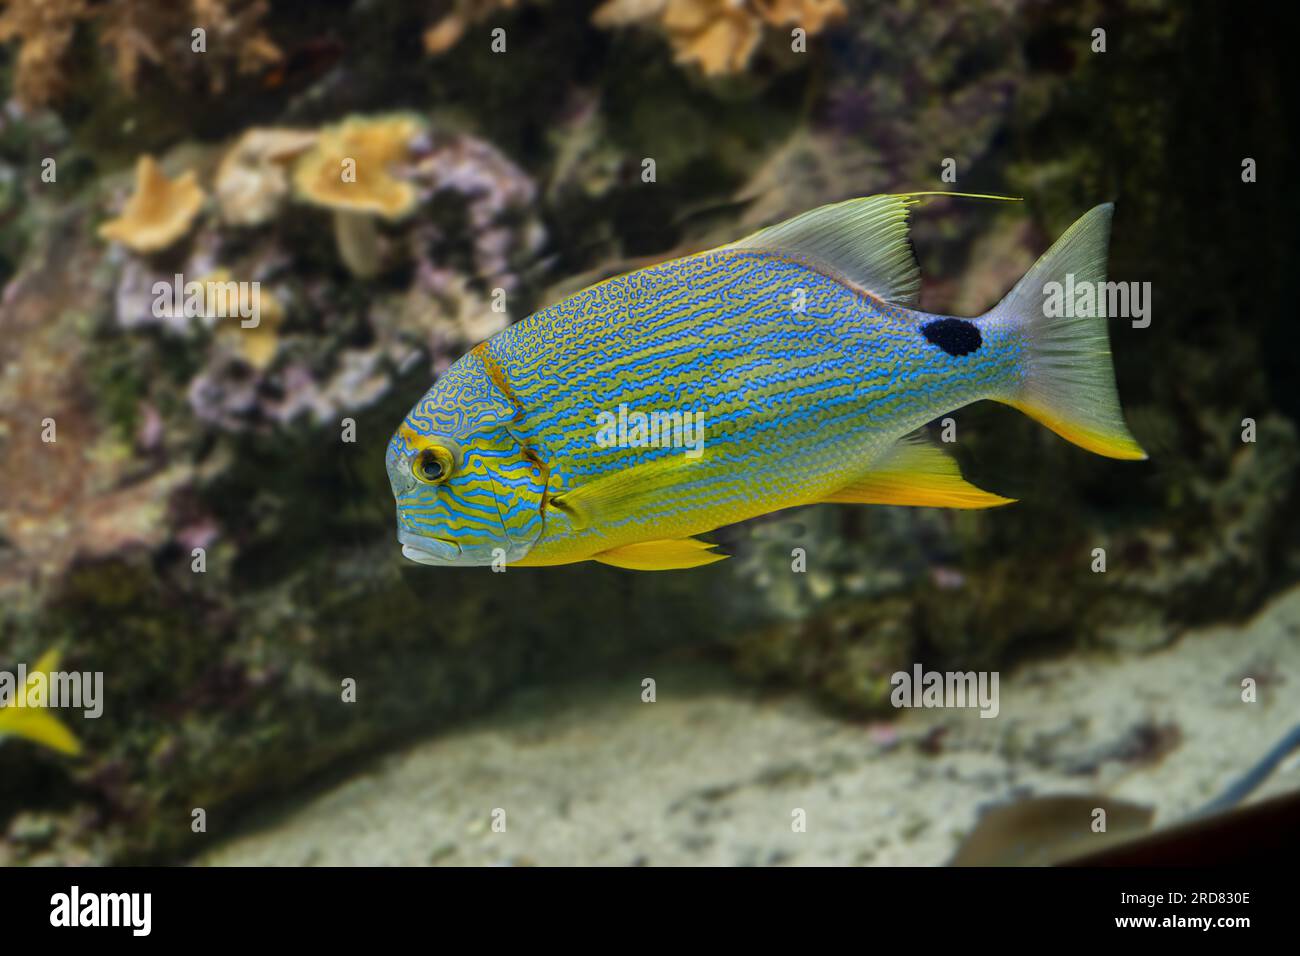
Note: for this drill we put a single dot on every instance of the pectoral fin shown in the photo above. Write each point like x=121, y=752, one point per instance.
x=915, y=472
x=622, y=493
x=665, y=555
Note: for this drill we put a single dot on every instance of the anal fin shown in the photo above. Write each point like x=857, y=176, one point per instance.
x=915, y=472
x=664, y=555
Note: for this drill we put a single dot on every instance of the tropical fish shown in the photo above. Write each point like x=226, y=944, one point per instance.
x=31, y=720
x=786, y=369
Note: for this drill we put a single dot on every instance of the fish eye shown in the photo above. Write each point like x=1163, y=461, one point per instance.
x=432, y=466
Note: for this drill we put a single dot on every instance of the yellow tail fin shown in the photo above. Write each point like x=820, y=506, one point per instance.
x=1069, y=378
x=32, y=721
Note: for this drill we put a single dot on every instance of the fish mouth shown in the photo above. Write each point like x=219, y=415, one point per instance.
x=423, y=549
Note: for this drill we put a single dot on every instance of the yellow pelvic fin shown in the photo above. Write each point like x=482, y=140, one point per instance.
x=664, y=555
x=915, y=472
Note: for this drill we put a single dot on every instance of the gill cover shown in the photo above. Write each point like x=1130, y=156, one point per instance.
x=489, y=505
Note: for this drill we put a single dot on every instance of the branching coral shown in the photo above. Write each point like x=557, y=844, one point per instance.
x=720, y=36
x=133, y=32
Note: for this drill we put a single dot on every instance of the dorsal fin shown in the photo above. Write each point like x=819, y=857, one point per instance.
x=861, y=241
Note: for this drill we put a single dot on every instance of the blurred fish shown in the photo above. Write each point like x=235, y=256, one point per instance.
x=1038, y=831
x=1057, y=829
x=32, y=721
x=786, y=369
x=1253, y=835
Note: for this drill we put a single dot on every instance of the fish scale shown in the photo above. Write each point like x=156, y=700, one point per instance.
x=798, y=348
x=803, y=399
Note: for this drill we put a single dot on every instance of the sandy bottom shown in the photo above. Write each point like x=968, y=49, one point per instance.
x=716, y=773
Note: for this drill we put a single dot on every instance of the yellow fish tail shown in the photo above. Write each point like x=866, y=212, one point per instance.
x=1068, y=382
x=40, y=727
x=34, y=722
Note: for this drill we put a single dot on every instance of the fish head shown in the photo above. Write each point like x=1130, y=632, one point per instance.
x=468, y=490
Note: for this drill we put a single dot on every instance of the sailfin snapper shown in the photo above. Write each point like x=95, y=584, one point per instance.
x=788, y=368
x=32, y=721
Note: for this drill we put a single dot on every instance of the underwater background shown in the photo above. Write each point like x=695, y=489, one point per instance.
x=322, y=700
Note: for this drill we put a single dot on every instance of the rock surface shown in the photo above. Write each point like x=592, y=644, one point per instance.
x=711, y=772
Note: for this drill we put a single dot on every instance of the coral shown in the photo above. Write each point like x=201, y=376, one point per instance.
x=259, y=344
x=160, y=210
x=133, y=32
x=252, y=181
x=293, y=367
x=813, y=15
x=354, y=171
x=44, y=30
x=353, y=166
x=720, y=36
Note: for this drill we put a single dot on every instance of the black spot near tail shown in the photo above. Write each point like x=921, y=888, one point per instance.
x=954, y=336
